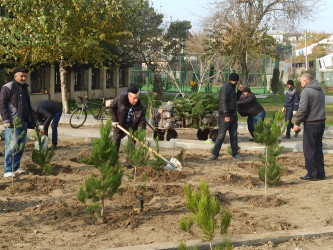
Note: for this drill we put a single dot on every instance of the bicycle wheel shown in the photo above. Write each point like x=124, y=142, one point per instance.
x=104, y=116
x=78, y=118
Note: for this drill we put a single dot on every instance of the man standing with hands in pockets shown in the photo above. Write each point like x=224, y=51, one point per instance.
x=311, y=112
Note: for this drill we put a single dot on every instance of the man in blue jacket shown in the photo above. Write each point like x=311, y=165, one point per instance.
x=228, y=119
x=311, y=112
x=290, y=107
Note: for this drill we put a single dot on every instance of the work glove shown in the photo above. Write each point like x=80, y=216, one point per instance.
x=7, y=125
x=294, y=112
x=115, y=124
x=283, y=110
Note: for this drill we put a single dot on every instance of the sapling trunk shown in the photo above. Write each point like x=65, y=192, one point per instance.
x=266, y=172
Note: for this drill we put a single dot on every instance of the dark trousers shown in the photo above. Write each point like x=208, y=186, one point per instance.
x=54, y=127
x=250, y=125
x=223, y=128
x=313, y=150
x=118, y=134
x=288, y=117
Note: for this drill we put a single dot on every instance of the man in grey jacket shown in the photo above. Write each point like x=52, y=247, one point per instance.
x=311, y=112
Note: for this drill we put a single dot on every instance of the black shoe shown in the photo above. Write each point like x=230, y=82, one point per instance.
x=297, y=132
x=286, y=137
x=308, y=178
x=321, y=178
x=251, y=139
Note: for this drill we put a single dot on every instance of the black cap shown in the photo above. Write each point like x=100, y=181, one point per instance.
x=290, y=82
x=133, y=88
x=247, y=89
x=234, y=77
x=20, y=69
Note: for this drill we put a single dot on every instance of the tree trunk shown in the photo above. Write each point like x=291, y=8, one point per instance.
x=245, y=70
x=63, y=74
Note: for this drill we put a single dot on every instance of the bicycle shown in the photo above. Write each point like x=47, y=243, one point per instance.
x=79, y=116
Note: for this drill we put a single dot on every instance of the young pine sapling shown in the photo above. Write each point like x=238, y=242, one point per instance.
x=137, y=153
x=204, y=209
x=267, y=133
x=157, y=163
x=40, y=155
x=100, y=187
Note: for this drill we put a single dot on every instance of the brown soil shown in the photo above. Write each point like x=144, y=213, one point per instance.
x=43, y=212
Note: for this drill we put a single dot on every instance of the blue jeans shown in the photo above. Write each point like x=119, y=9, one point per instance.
x=260, y=116
x=223, y=128
x=288, y=116
x=12, y=146
x=54, y=126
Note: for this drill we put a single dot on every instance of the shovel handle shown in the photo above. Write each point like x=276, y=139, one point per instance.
x=150, y=149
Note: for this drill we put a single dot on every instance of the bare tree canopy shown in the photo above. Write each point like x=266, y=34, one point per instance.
x=239, y=27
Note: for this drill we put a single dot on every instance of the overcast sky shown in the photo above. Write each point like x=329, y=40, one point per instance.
x=195, y=10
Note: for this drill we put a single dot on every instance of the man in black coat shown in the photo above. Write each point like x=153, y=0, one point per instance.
x=228, y=119
x=128, y=111
x=15, y=103
x=45, y=112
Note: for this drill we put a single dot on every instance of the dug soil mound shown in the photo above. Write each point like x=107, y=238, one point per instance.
x=43, y=212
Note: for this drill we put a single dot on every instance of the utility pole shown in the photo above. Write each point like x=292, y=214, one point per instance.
x=306, y=53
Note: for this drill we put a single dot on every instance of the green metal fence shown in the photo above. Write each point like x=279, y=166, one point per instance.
x=261, y=69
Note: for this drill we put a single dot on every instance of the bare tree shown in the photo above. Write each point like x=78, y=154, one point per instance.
x=238, y=28
x=208, y=59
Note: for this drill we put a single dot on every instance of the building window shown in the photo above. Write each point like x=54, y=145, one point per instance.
x=96, y=82
x=109, y=78
x=79, y=79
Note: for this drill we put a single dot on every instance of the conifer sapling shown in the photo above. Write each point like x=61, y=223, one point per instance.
x=103, y=186
x=136, y=153
x=204, y=209
x=40, y=155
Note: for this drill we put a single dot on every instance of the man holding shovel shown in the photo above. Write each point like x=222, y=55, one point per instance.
x=129, y=112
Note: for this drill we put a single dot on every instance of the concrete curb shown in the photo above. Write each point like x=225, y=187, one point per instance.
x=277, y=237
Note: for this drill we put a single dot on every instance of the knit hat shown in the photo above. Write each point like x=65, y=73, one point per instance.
x=234, y=77
x=247, y=89
x=290, y=82
x=20, y=69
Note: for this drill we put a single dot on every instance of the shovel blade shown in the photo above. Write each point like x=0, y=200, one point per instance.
x=174, y=164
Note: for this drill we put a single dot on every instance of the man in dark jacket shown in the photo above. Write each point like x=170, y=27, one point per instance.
x=249, y=104
x=228, y=120
x=15, y=103
x=128, y=111
x=290, y=107
x=311, y=112
x=45, y=112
